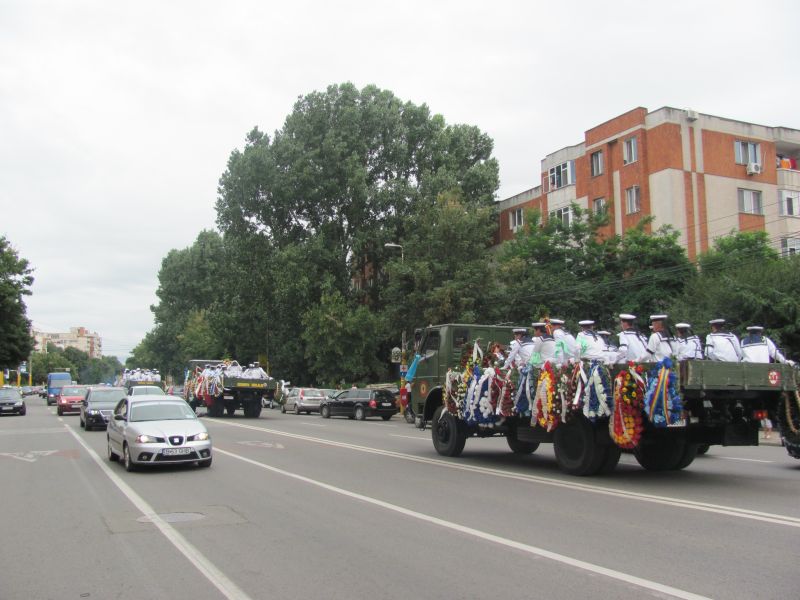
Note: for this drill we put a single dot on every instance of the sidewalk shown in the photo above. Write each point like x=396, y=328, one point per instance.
x=774, y=439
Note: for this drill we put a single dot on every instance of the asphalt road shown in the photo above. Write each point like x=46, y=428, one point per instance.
x=299, y=506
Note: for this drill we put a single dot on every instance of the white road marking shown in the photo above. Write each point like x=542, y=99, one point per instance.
x=312, y=424
x=745, y=459
x=489, y=537
x=30, y=455
x=218, y=579
x=730, y=511
x=409, y=437
x=260, y=444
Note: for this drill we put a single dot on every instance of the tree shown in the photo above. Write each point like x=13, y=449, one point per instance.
x=16, y=343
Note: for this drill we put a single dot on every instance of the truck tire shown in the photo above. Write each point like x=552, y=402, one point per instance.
x=664, y=454
x=449, y=434
x=519, y=447
x=576, y=448
x=215, y=410
x=230, y=409
x=702, y=449
x=252, y=410
x=613, y=453
x=689, y=454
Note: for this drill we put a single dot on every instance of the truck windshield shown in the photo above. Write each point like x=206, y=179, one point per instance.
x=431, y=341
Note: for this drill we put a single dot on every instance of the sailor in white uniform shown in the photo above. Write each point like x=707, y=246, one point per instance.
x=632, y=344
x=566, y=346
x=659, y=346
x=521, y=351
x=687, y=345
x=590, y=345
x=544, y=347
x=722, y=345
x=758, y=348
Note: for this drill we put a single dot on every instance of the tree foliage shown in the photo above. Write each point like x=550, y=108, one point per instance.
x=16, y=279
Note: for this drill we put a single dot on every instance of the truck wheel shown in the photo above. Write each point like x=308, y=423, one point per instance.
x=252, y=410
x=230, y=409
x=359, y=413
x=702, y=449
x=663, y=454
x=520, y=447
x=689, y=454
x=325, y=412
x=613, y=452
x=449, y=434
x=408, y=415
x=576, y=448
x=215, y=410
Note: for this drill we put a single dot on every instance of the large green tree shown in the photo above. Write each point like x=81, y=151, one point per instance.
x=16, y=279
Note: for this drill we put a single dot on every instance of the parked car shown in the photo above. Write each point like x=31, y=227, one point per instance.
x=146, y=390
x=359, y=404
x=69, y=399
x=301, y=400
x=156, y=430
x=97, y=407
x=11, y=402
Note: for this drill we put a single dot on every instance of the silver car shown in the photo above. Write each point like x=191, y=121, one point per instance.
x=301, y=400
x=157, y=430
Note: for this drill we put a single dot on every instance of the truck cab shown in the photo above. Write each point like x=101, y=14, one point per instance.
x=441, y=348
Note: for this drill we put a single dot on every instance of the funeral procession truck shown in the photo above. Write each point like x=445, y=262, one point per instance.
x=224, y=387
x=665, y=413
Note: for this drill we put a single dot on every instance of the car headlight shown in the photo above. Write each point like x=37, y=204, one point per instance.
x=18, y=403
x=200, y=437
x=94, y=412
x=146, y=439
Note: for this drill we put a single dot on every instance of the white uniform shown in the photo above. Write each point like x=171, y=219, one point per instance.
x=659, y=346
x=544, y=350
x=760, y=349
x=688, y=348
x=632, y=347
x=520, y=354
x=566, y=346
x=723, y=346
x=591, y=346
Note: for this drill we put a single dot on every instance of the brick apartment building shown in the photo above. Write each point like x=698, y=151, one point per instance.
x=706, y=176
x=77, y=337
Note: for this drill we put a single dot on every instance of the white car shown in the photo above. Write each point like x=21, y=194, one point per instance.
x=156, y=430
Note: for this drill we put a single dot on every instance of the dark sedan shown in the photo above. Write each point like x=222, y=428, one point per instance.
x=11, y=402
x=98, y=405
x=359, y=404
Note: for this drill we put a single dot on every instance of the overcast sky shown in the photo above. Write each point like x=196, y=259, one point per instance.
x=117, y=119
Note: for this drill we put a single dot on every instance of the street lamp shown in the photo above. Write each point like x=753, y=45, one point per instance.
x=393, y=245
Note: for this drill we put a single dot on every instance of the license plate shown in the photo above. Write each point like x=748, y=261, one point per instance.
x=176, y=451
x=7, y=408
x=678, y=423
x=228, y=397
x=386, y=403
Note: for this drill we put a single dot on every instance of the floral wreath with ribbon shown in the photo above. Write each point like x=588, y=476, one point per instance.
x=662, y=402
x=597, y=399
x=627, y=422
x=546, y=405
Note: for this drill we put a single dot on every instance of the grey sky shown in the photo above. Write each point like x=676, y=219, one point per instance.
x=116, y=120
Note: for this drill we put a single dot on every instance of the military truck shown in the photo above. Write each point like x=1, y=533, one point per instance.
x=223, y=394
x=722, y=404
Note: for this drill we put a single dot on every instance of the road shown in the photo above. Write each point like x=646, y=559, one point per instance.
x=299, y=506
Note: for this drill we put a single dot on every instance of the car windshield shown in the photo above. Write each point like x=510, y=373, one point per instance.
x=147, y=389
x=105, y=396
x=69, y=390
x=161, y=411
x=9, y=393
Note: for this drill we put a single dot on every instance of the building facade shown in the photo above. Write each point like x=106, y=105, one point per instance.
x=77, y=337
x=705, y=176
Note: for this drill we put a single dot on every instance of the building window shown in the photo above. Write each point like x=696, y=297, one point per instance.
x=633, y=200
x=597, y=163
x=747, y=152
x=564, y=215
x=790, y=245
x=629, y=152
x=599, y=205
x=515, y=219
x=750, y=202
x=561, y=175
x=789, y=203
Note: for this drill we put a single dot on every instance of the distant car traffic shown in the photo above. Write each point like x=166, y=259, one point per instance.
x=97, y=407
x=149, y=390
x=359, y=404
x=156, y=430
x=303, y=400
x=70, y=398
x=11, y=402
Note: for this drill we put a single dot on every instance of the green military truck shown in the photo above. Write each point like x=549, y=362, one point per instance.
x=722, y=404
x=222, y=394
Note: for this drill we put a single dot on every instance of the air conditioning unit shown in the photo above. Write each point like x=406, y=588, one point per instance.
x=691, y=115
x=754, y=168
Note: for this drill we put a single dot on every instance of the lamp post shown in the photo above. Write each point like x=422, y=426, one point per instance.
x=403, y=363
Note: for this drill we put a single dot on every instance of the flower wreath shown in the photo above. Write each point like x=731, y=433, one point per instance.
x=523, y=400
x=598, y=401
x=789, y=419
x=547, y=407
x=627, y=424
x=662, y=402
x=576, y=391
x=503, y=392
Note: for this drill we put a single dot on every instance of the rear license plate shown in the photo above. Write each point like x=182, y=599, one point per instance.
x=386, y=403
x=176, y=451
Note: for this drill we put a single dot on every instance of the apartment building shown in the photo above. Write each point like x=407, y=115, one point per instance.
x=77, y=337
x=706, y=176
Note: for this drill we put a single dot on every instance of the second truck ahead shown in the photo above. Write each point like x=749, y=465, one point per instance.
x=222, y=393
